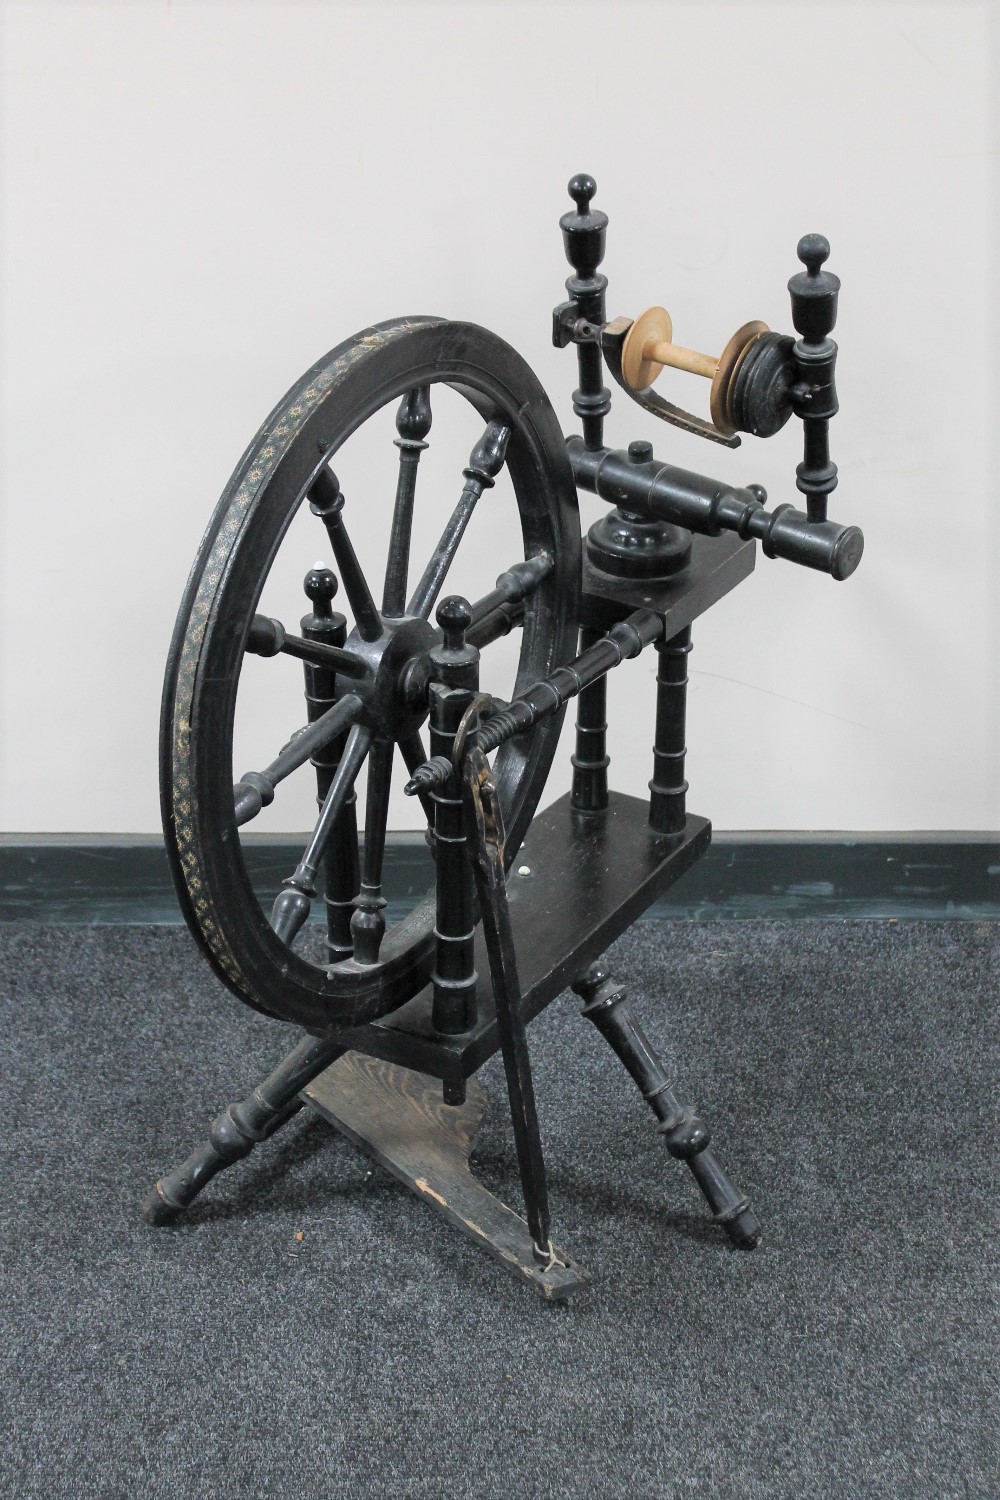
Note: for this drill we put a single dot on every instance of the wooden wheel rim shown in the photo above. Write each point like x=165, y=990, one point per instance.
x=307, y=427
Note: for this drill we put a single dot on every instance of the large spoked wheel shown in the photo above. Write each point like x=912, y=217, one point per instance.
x=368, y=694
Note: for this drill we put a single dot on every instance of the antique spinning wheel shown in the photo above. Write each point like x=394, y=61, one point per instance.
x=400, y=1019
x=369, y=683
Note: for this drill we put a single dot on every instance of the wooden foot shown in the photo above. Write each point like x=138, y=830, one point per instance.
x=399, y=1118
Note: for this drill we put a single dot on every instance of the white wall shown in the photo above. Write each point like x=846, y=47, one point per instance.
x=200, y=198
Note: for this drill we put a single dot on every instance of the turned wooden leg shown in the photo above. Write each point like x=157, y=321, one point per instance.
x=686, y=1137
x=233, y=1134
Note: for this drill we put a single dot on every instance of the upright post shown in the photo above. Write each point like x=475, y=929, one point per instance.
x=455, y=667
x=590, y=759
x=667, y=808
x=584, y=234
x=340, y=862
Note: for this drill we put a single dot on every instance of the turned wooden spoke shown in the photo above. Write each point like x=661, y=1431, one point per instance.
x=368, y=921
x=269, y=637
x=427, y=590
x=344, y=778
x=485, y=463
x=513, y=586
x=327, y=502
x=291, y=908
x=413, y=422
x=256, y=789
x=494, y=626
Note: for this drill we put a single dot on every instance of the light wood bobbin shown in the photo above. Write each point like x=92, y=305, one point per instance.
x=648, y=347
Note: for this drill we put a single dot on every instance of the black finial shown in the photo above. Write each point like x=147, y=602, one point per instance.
x=814, y=291
x=584, y=230
x=454, y=615
x=812, y=250
x=320, y=585
x=581, y=189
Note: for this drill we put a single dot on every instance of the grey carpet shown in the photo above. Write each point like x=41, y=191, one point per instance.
x=848, y=1071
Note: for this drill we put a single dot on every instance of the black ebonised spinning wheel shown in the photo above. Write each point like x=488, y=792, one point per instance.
x=368, y=687
x=401, y=1085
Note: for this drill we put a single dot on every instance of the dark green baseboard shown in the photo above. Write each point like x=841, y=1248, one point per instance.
x=103, y=878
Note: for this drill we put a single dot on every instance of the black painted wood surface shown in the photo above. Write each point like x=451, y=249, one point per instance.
x=592, y=875
x=398, y=1118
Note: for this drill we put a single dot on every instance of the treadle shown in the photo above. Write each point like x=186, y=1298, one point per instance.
x=398, y=1118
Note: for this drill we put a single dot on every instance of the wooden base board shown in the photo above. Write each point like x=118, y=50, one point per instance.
x=400, y=1120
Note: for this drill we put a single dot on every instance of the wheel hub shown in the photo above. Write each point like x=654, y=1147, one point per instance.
x=394, y=693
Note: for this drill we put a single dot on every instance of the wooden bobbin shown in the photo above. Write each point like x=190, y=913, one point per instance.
x=648, y=347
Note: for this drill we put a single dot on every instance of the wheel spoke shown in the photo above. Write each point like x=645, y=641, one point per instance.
x=256, y=789
x=514, y=585
x=413, y=422
x=269, y=638
x=291, y=907
x=485, y=463
x=493, y=626
x=368, y=922
x=327, y=501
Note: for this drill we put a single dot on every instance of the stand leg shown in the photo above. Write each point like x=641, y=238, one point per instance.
x=233, y=1134
x=686, y=1136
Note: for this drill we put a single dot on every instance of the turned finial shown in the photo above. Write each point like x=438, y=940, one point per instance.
x=454, y=615
x=320, y=585
x=812, y=250
x=814, y=291
x=584, y=230
x=581, y=189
